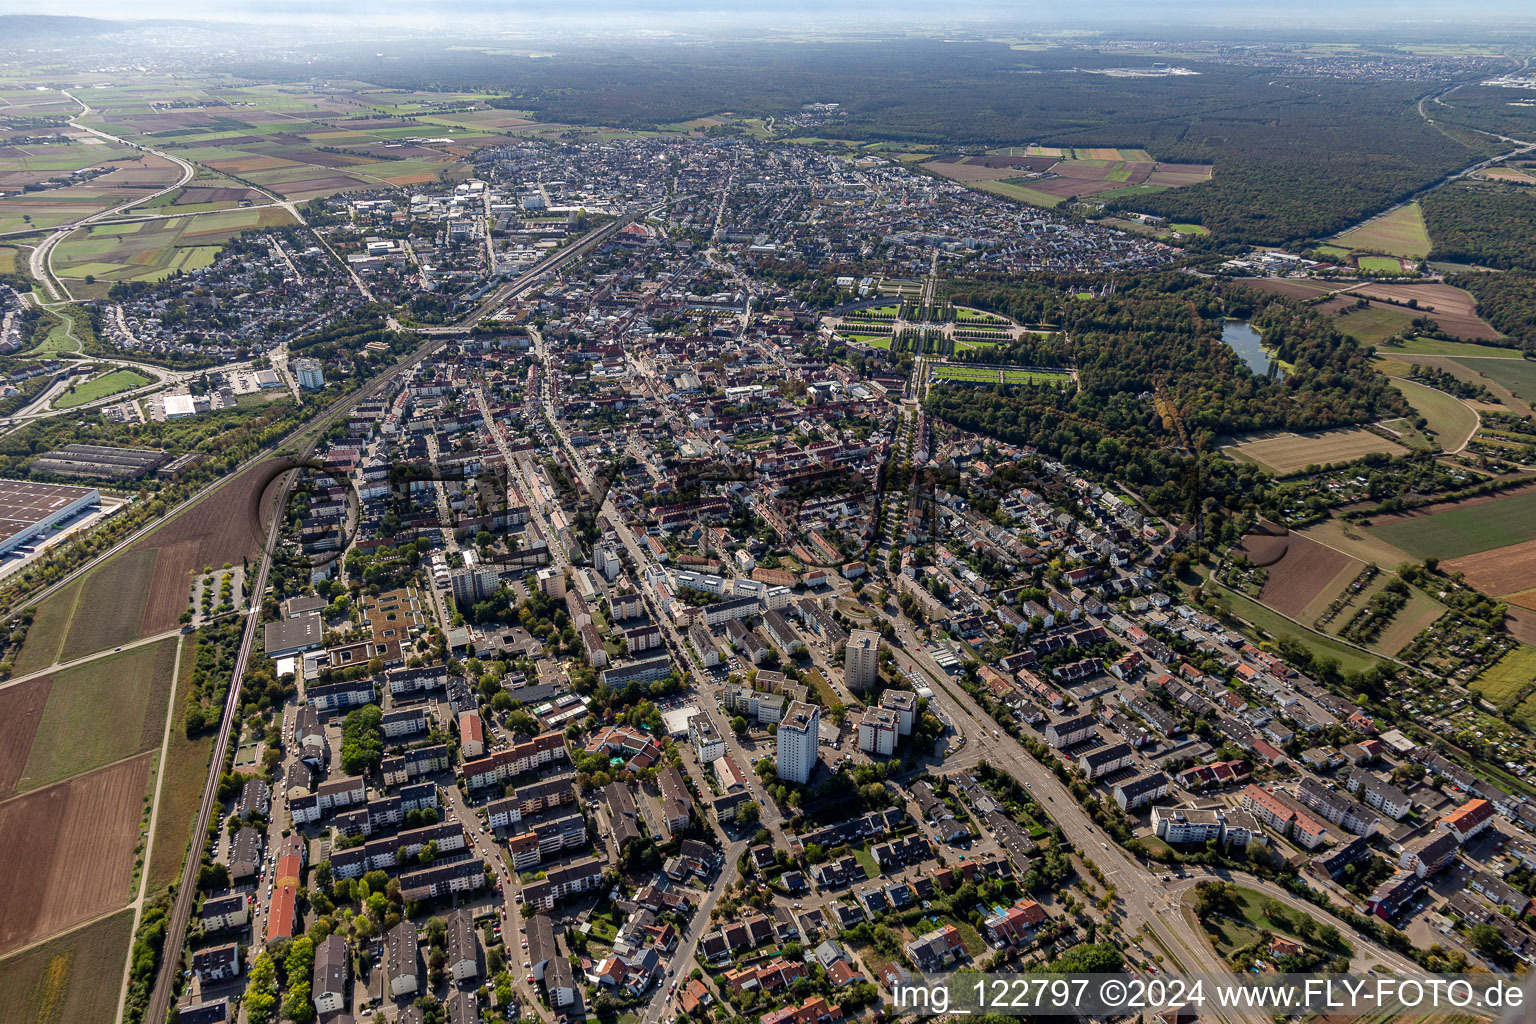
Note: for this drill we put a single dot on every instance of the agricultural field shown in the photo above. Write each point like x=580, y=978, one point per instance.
x=1050, y=175
x=1441, y=347
x=21, y=708
x=1452, y=308
x=97, y=388
x=1500, y=571
x=1284, y=454
x=102, y=610
x=224, y=527
x=1508, y=681
x=152, y=250
x=1463, y=529
x=1275, y=624
x=181, y=790
x=1287, y=288
x=1517, y=375
x=1358, y=541
x=1450, y=419
x=1374, y=324
x=62, y=981
x=1421, y=612
x=69, y=852
x=1400, y=232
x=1300, y=571
x=99, y=713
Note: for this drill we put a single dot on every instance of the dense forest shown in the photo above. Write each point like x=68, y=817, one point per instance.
x=1294, y=158
x=1507, y=301
x=1483, y=223
x=1155, y=345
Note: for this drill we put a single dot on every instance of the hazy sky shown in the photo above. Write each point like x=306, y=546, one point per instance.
x=796, y=16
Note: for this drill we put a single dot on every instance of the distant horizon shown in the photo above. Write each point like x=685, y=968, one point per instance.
x=661, y=20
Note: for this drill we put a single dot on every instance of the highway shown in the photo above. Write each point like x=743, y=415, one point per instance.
x=41, y=260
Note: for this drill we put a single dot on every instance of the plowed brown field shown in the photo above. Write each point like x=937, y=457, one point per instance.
x=21, y=708
x=68, y=851
x=222, y=528
x=1499, y=571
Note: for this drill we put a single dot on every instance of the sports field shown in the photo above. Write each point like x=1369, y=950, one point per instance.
x=1465, y=529
x=1398, y=233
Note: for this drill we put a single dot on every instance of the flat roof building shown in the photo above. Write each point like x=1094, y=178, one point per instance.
x=28, y=509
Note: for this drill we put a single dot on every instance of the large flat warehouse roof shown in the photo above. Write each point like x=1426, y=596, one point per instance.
x=25, y=505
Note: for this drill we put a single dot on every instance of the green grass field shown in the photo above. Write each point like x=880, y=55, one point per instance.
x=100, y=387
x=1399, y=233
x=46, y=634
x=1465, y=530
x=1033, y=197
x=1380, y=264
x=110, y=607
x=1449, y=418
x=101, y=712
x=1372, y=325
x=1441, y=347
x=153, y=250
x=1504, y=683
x=962, y=374
x=1518, y=375
x=186, y=768
x=1275, y=624
x=1190, y=229
x=74, y=978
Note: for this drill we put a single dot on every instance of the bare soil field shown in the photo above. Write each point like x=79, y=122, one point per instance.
x=1521, y=623
x=1498, y=571
x=21, y=708
x=62, y=981
x=1307, y=571
x=1289, y=289
x=1174, y=175
x=1453, y=309
x=222, y=528
x=69, y=851
x=1290, y=453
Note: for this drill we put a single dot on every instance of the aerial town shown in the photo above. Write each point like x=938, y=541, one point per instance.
x=608, y=582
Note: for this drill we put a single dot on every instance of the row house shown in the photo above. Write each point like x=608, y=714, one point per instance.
x=415, y=763
x=523, y=757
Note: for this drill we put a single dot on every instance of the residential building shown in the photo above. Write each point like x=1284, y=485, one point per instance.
x=798, y=739
x=861, y=659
